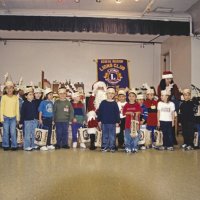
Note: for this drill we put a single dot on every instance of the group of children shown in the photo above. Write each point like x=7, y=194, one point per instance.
x=37, y=110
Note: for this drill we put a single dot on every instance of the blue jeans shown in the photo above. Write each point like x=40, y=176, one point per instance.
x=75, y=127
x=47, y=124
x=152, y=129
x=130, y=143
x=62, y=133
x=29, y=133
x=108, y=136
x=198, y=129
x=167, y=131
x=9, y=130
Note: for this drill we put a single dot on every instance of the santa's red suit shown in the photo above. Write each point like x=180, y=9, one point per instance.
x=99, y=94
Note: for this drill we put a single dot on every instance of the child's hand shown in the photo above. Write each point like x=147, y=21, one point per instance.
x=117, y=124
x=173, y=124
x=158, y=124
x=40, y=121
x=74, y=120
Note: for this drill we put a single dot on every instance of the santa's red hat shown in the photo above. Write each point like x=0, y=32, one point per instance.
x=167, y=74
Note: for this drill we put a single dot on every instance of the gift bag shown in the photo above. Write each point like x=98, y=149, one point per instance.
x=20, y=137
x=158, y=138
x=134, y=128
x=84, y=137
x=196, y=139
x=1, y=134
x=148, y=140
x=41, y=136
x=141, y=137
x=117, y=130
x=98, y=139
x=53, y=136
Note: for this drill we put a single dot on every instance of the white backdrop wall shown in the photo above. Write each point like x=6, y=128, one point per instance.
x=74, y=61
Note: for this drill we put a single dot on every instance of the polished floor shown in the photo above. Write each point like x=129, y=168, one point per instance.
x=82, y=174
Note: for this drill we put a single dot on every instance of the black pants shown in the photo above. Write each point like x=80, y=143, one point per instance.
x=92, y=140
x=167, y=130
x=47, y=124
x=120, y=136
x=188, y=133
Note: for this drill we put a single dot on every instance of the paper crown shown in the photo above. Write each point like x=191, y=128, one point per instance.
x=110, y=90
x=47, y=91
x=121, y=92
x=167, y=74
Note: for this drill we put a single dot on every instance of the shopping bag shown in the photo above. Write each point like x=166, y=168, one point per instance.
x=1, y=134
x=196, y=139
x=41, y=136
x=148, y=140
x=20, y=137
x=134, y=128
x=98, y=139
x=53, y=136
x=158, y=135
x=84, y=137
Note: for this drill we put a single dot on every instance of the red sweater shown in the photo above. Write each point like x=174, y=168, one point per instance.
x=130, y=108
x=152, y=112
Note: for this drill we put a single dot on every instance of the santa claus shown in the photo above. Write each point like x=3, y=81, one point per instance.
x=98, y=95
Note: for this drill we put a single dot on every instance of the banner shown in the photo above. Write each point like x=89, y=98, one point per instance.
x=114, y=72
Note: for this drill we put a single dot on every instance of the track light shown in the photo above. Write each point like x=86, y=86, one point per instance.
x=98, y=1
x=118, y=1
x=77, y=1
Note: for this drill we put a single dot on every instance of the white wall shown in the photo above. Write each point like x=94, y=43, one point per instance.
x=74, y=61
x=195, y=62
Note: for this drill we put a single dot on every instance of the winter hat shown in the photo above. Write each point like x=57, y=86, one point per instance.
x=167, y=74
x=121, y=92
x=47, y=91
x=110, y=90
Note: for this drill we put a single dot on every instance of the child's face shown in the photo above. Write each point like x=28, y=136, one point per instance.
x=132, y=97
x=62, y=96
x=164, y=98
x=121, y=98
x=187, y=96
x=140, y=101
x=30, y=96
x=50, y=96
x=110, y=95
x=77, y=99
x=38, y=95
x=9, y=90
x=150, y=96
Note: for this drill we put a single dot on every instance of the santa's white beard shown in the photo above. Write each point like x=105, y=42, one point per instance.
x=99, y=97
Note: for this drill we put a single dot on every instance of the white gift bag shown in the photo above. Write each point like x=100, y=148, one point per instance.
x=41, y=137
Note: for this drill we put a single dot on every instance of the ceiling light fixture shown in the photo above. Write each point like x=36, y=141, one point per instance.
x=77, y=1
x=118, y=1
x=98, y=1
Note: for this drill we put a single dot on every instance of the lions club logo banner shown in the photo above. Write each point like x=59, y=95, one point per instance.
x=114, y=72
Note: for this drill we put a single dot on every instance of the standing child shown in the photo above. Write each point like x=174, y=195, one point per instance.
x=108, y=117
x=46, y=116
x=121, y=103
x=63, y=114
x=131, y=110
x=79, y=116
x=166, y=111
x=29, y=119
x=151, y=105
x=9, y=116
x=187, y=120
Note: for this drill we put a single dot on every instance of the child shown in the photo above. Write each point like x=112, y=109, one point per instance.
x=144, y=114
x=187, y=120
x=108, y=117
x=131, y=110
x=151, y=105
x=38, y=98
x=63, y=114
x=79, y=116
x=46, y=116
x=121, y=103
x=166, y=111
x=9, y=116
x=29, y=119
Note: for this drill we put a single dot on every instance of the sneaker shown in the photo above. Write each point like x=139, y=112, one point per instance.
x=112, y=150
x=143, y=148
x=105, y=149
x=28, y=149
x=183, y=146
x=74, y=145
x=82, y=145
x=14, y=148
x=136, y=150
x=57, y=146
x=65, y=147
x=127, y=150
x=170, y=148
x=44, y=148
x=36, y=148
x=161, y=148
x=92, y=147
x=6, y=148
x=50, y=147
x=188, y=148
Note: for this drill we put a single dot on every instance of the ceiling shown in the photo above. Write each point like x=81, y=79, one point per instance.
x=106, y=8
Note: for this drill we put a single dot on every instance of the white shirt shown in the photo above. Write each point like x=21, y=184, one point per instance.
x=166, y=110
x=121, y=106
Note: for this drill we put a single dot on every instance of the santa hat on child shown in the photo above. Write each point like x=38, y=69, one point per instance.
x=167, y=74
